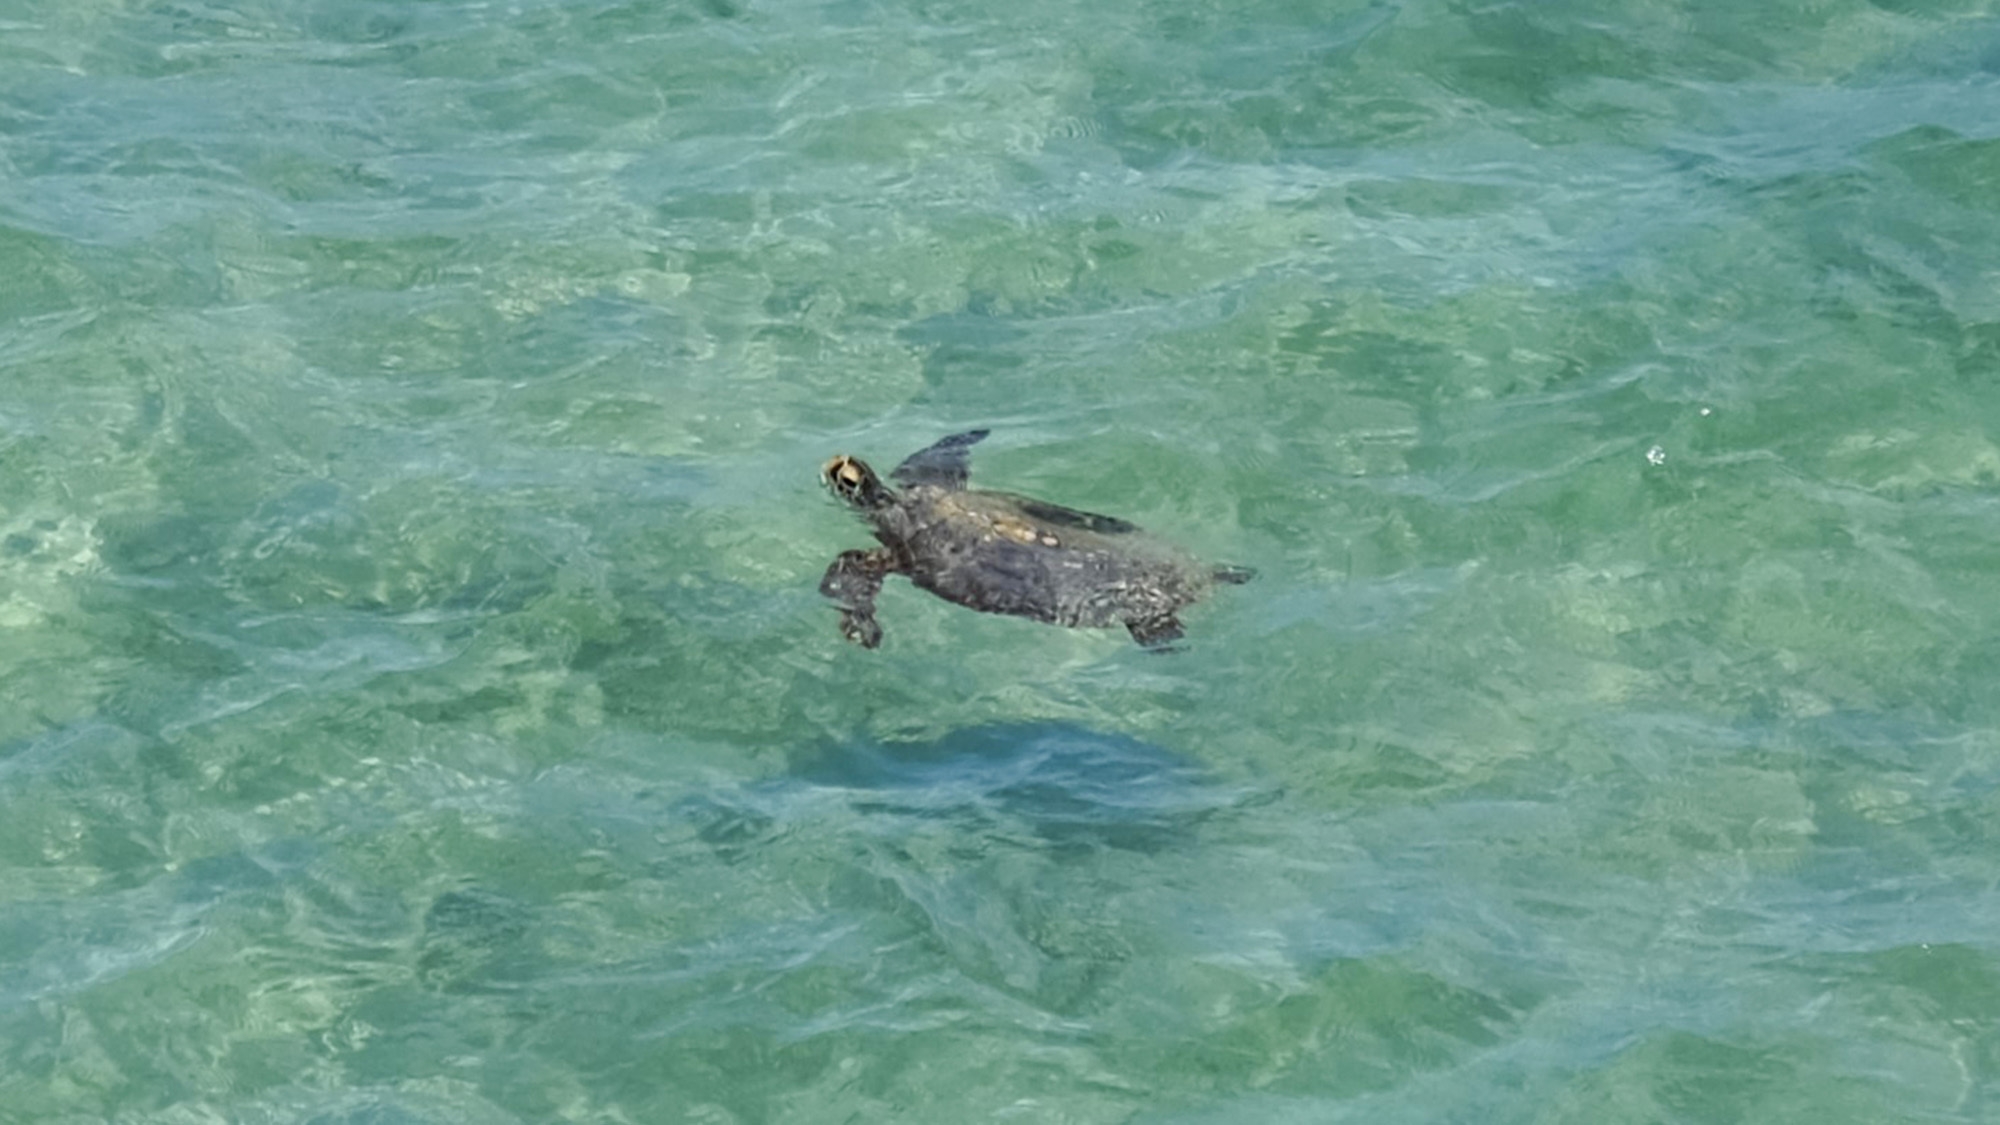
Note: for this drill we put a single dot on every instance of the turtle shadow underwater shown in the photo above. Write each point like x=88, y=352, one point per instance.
x=1069, y=786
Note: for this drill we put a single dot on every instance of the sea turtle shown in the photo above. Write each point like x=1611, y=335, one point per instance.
x=1001, y=553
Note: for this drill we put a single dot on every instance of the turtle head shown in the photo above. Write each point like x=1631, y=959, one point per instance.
x=853, y=481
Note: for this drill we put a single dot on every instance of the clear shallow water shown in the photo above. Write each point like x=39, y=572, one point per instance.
x=419, y=707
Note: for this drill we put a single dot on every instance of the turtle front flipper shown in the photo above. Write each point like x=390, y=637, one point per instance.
x=1071, y=517
x=1156, y=632
x=853, y=581
x=945, y=463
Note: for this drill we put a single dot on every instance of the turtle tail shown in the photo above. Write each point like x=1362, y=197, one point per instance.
x=1233, y=575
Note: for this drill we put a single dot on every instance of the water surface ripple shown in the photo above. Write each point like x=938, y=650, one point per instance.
x=420, y=708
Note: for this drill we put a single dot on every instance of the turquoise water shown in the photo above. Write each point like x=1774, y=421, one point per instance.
x=420, y=707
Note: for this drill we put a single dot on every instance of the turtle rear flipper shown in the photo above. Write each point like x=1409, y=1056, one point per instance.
x=944, y=463
x=1156, y=632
